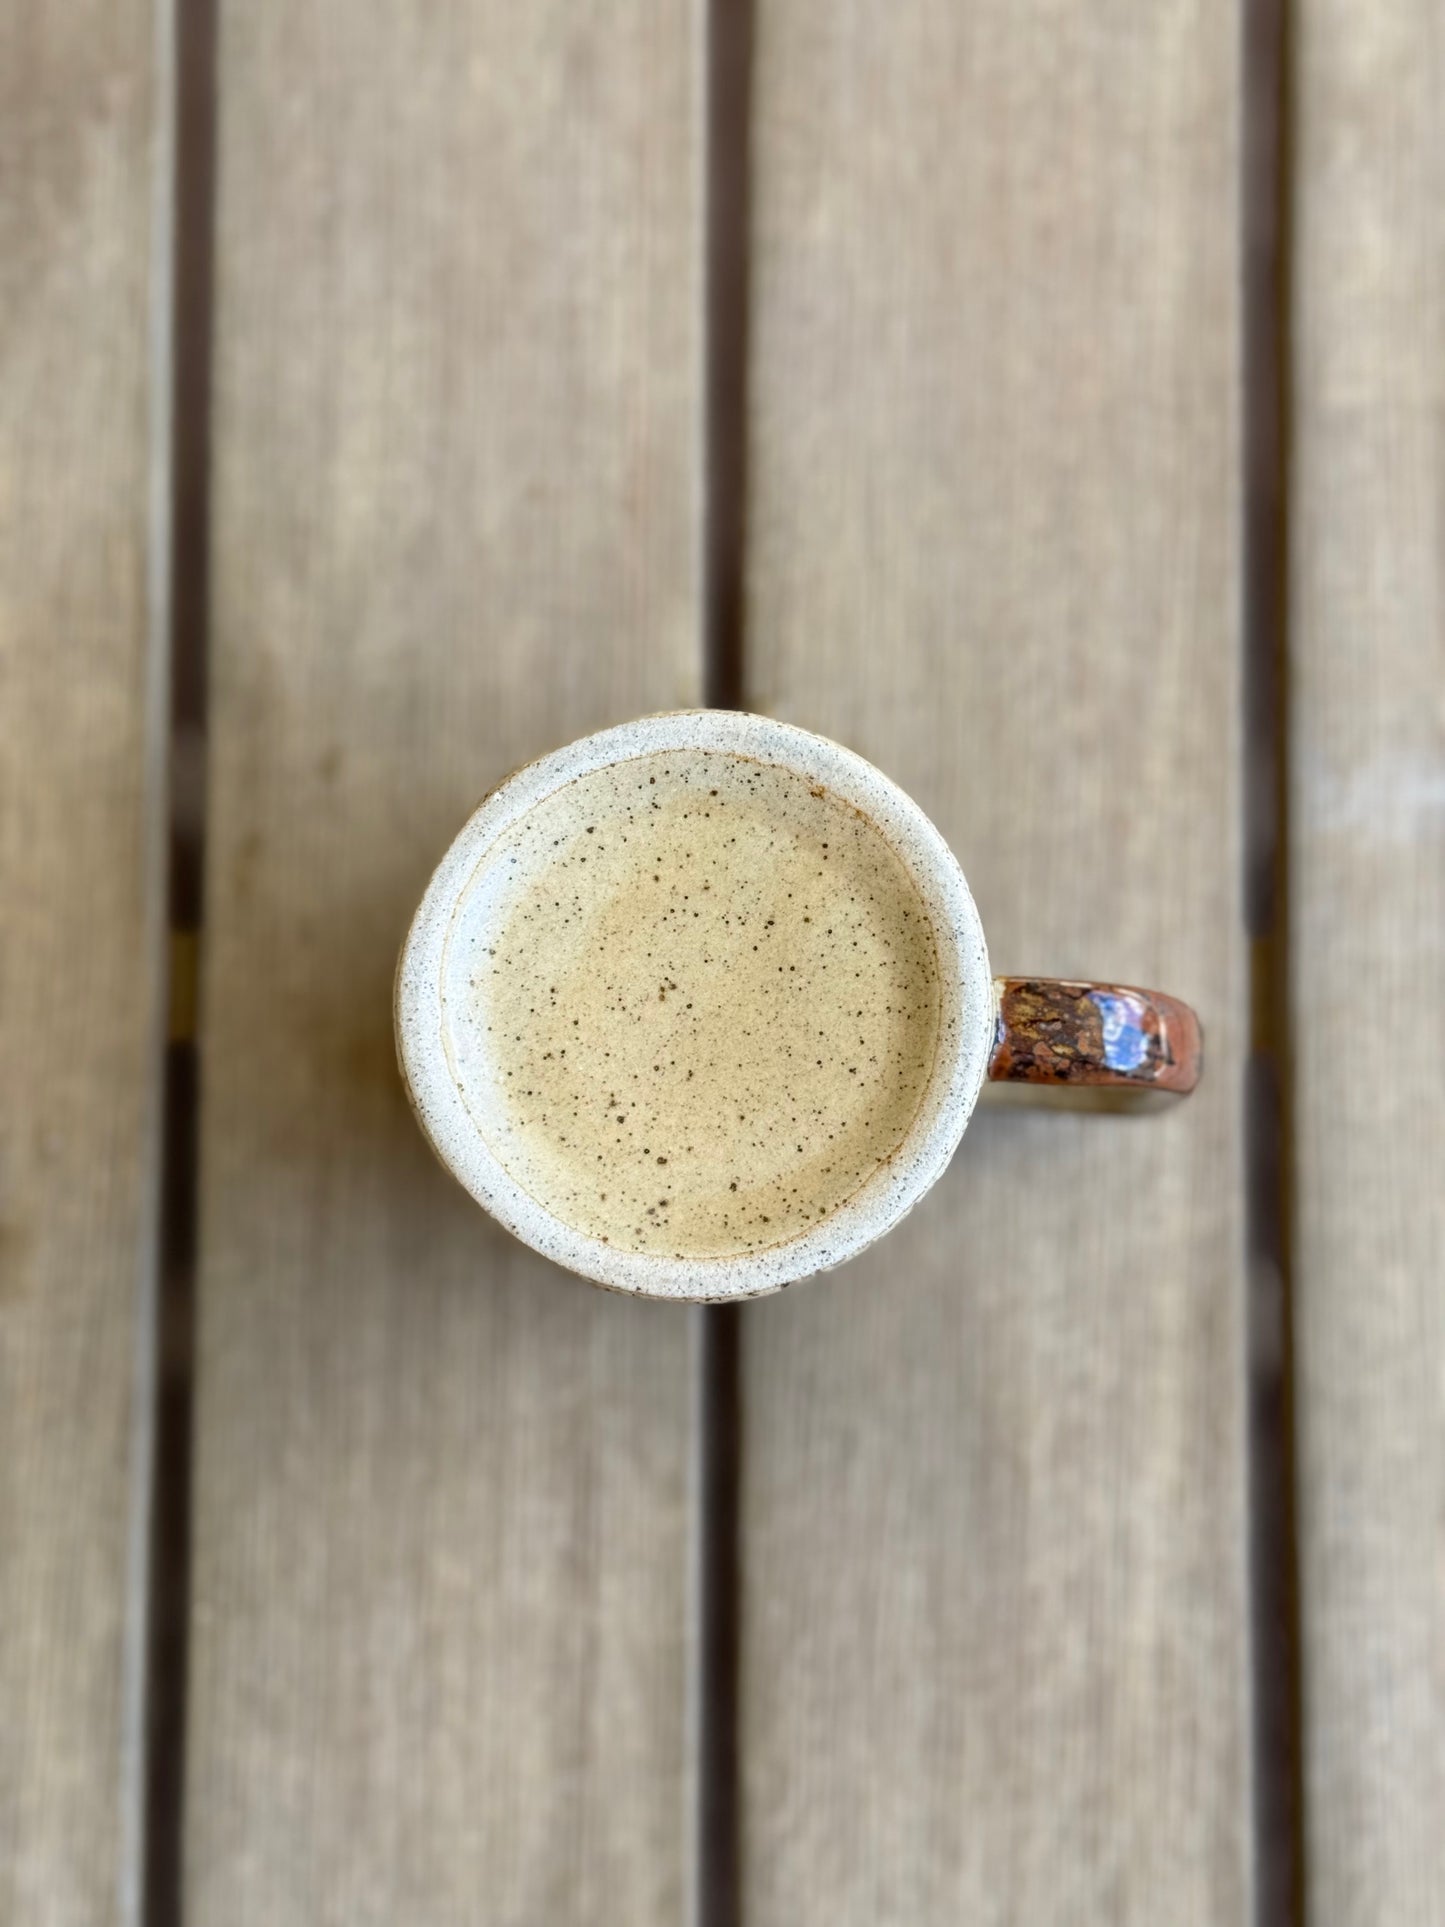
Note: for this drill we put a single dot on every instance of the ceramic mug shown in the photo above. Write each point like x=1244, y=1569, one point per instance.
x=701, y=1005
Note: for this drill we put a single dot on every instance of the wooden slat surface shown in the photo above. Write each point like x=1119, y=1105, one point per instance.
x=442, y=1490
x=80, y=788
x=1368, y=946
x=994, y=1610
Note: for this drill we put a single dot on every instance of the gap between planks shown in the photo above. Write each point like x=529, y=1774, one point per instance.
x=183, y=301
x=717, y=1578
x=1275, y=1645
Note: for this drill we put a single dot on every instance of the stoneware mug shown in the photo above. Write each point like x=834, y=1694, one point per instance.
x=629, y=1004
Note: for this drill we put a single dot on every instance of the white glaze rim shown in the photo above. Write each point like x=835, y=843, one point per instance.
x=965, y=1030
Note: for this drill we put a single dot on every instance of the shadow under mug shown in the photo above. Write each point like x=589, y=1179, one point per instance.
x=1047, y=1034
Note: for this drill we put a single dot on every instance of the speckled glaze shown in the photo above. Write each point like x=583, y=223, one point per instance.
x=703, y=1003
x=710, y=1073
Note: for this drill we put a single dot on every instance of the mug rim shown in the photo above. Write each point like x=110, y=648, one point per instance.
x=889, y=1192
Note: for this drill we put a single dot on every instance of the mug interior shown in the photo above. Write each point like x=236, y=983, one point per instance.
x=453, y=1075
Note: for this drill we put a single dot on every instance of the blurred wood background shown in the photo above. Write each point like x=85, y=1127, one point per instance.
x=1047, y=401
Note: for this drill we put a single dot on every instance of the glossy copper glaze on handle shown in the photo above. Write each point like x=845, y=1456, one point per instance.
x=1051, y=1031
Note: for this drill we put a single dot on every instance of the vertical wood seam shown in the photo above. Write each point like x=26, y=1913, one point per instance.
x=182, y=301
x=135, y=1653
x=1275, y=1643
x=717, y=1571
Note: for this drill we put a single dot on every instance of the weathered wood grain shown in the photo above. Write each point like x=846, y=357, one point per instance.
x=1367, y=944
x=442, y=1490
x=994, y=1611
x=81, y=789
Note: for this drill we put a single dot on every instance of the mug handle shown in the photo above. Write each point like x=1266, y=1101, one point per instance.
x=1053, y=1031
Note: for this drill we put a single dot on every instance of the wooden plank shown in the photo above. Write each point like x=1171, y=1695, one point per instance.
x=1367, y=942
x=81, y=792
x=995, y=1655
x=442, y=1490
